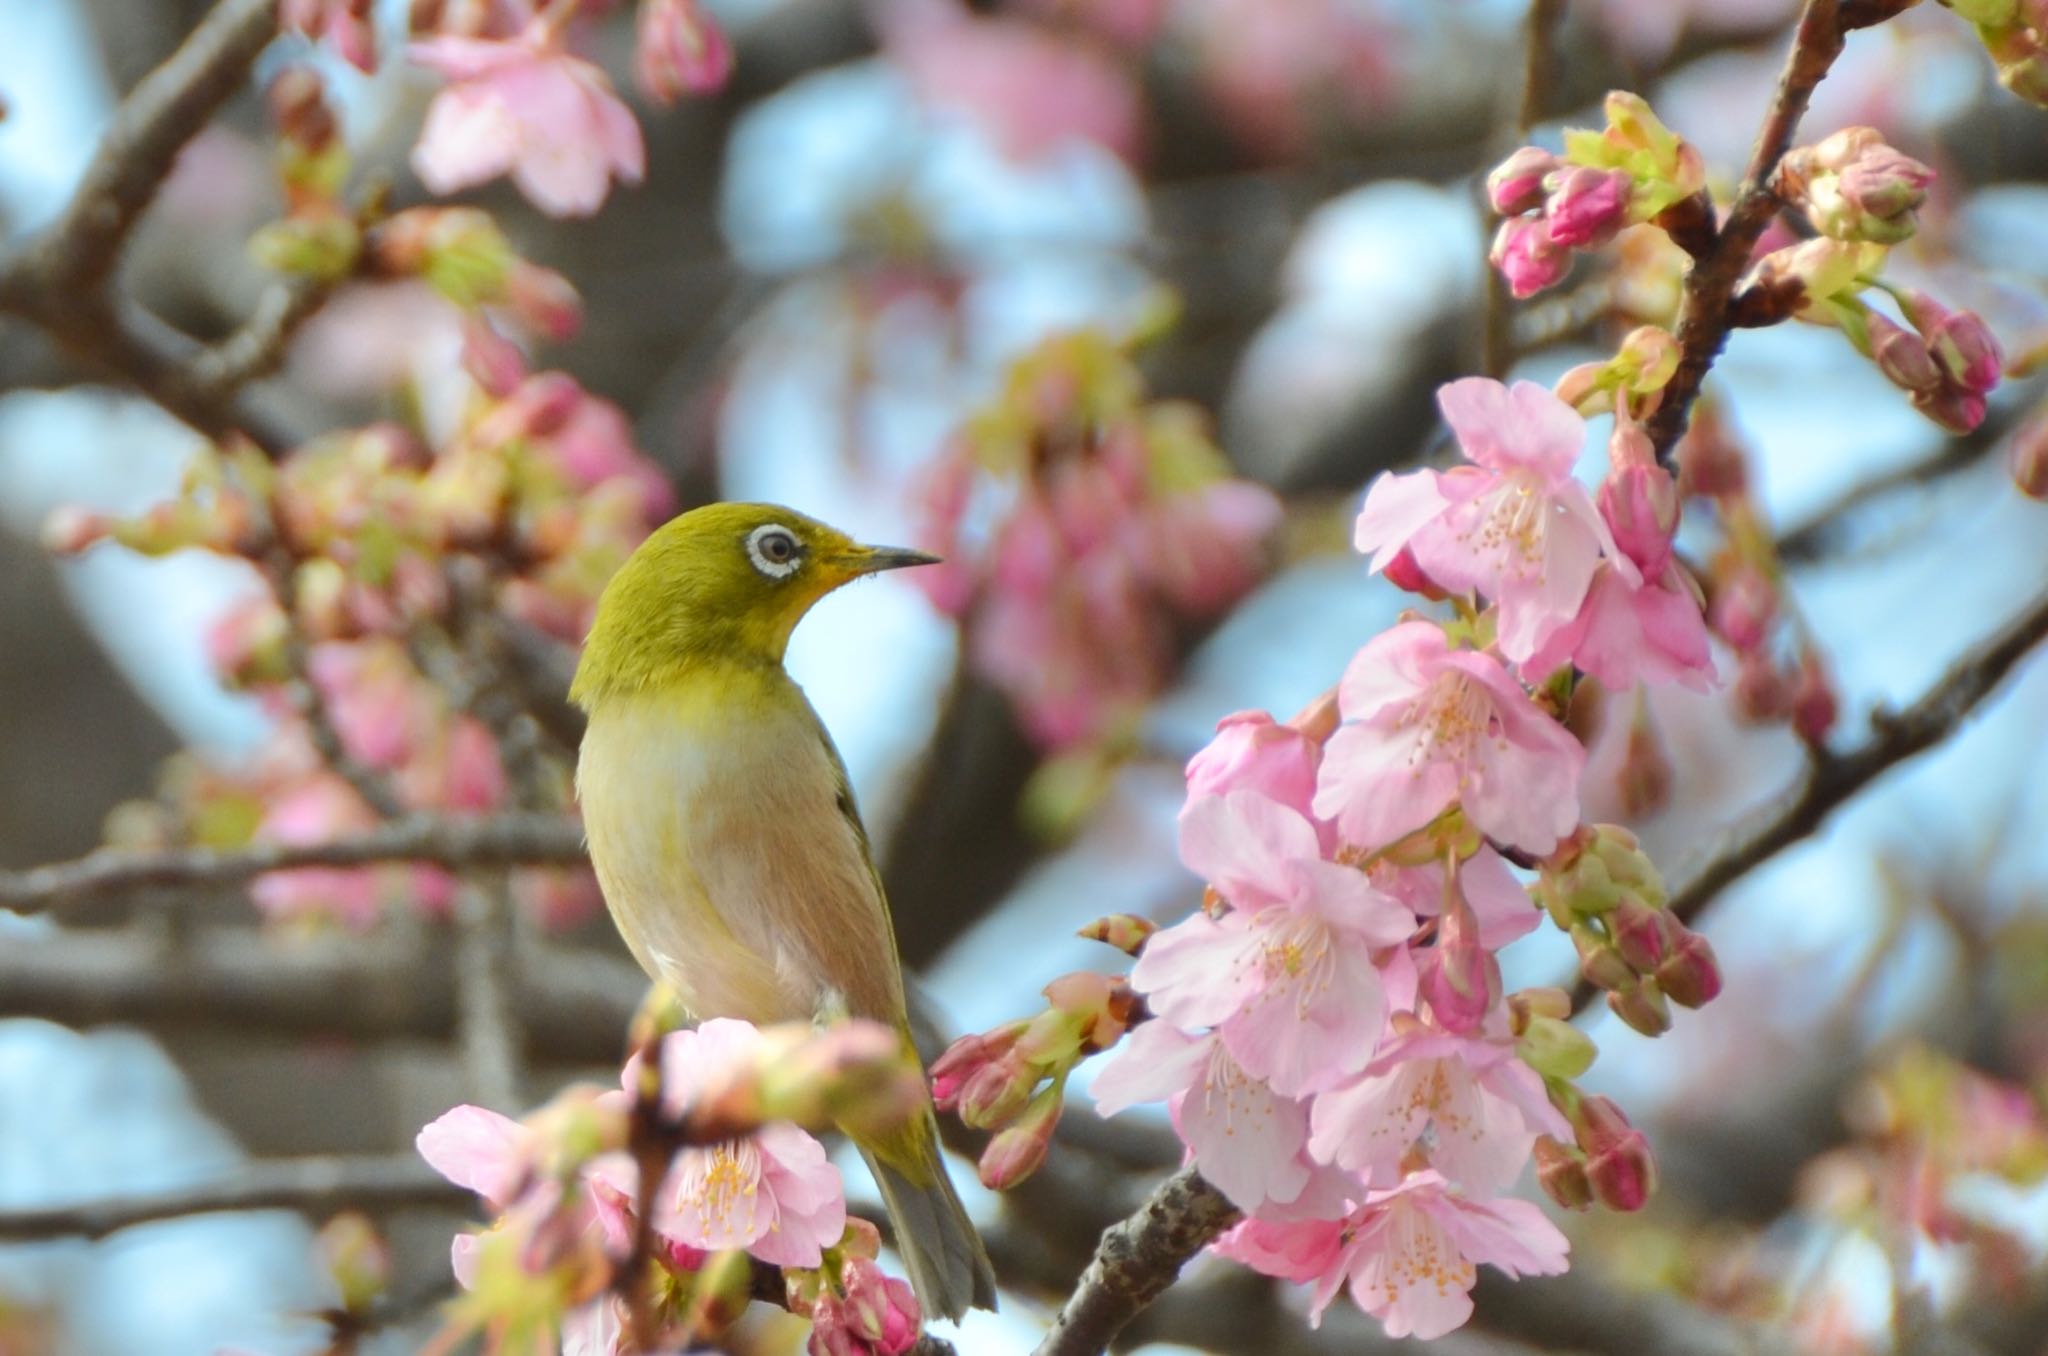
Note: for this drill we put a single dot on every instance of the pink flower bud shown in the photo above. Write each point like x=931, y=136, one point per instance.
x=1745, y=604
x=1587, y=207
x=1561, y=1172
x=1902, y=356
x=492, y=360
x=1954, y=409
x=681, y=51
x=1814, y=706
x=1015, y=1153
x=1527, y=257
x=1885, y=184
x=1516, y=184
x=1619, y=1165
x=1691, y=975
x=1645, y=778
x=1642, y=1007
x=1763, y=692
x=1639, y=500
x=1405, y=573
x=879, y=1308
x=1462, y=980
x=1641, y=934
x=544, y=300
x=1711, y=464
x=1967, y=351
x=2027, y=459
x=1602, y=966
x=1126, y=932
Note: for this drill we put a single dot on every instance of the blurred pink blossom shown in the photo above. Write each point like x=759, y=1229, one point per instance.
x=1032, y=90
x=526, y=108
x=1429, y=726
x=681, y=50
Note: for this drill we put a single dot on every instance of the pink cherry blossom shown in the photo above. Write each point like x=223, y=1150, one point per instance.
x=528, y=109
x=1248, y=1141
x=1649, y=631
x=1287, y=975
x=1501, y=906
x=774, y=1194
x=474, y=1147
x=1205, y=548
x=1481, y=1105
x=1253, y=752
x=1514, y=526
x=1429, y=726
x=1410, y=1254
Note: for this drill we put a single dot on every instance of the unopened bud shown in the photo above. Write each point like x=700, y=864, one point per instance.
x=1555, y=1048
x=1097, y=1007
x=1641, y=1005
x=1618, y=1161
x=1527, y=257
x=1126, y=932
x=1526, y=1005
x=1967, y=351
x=1601, y=964
x=1690, y=976
x=1586, y=207
x=1641, y=934
x=1710, y=463
x=680, y=51
x=1639, y=500
x=1763, y=692
x=995, y=1093
x=1645, y=778
x=1814, y=706
x=1017, y=1152
x=1952, y=408
x=1561, y=1172
x=2027, y=459
x=1744, y=606
x=1404, y=572
x=1516, y=184
x=356, y=1257
x=492, y=361
x=1902, y=356
x=544, y=300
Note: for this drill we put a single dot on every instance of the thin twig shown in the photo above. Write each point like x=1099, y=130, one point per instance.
x=503, y=840
x=1705, y=317
x=312, y=1186
x=1136, y=1261
x=1832, y=779
x=75, y=253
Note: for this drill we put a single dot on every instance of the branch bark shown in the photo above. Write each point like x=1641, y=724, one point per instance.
x=376, y=1185
x=503, y=840
x=1705, y=316
x=1136, y=1261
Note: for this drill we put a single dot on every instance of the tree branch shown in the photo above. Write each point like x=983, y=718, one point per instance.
x=1705, y=317
x=502, y=840
x=312, y=1186
x=1136, y=1261
x=1832, y=779
x=72, y=257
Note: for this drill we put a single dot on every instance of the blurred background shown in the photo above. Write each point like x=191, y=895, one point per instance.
x=830, y=268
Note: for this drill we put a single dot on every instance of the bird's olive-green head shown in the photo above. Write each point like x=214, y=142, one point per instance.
x=720, y=585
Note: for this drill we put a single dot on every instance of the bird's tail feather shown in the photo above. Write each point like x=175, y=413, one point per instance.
x=940, y=1249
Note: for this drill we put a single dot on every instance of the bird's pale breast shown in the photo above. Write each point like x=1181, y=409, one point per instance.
x=724, y=840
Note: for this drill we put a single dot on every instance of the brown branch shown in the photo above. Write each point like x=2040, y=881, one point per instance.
x=503, y=840
x=72, y=257
x=312, y=1186
x=1832, y=779
x=1136, y=1261
x=1706, y=316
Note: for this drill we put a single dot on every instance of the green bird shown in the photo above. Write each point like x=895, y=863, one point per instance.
x=724, y=830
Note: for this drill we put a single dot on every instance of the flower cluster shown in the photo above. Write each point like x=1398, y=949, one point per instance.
x=366, y=632
x=2015, y=32
x=1630, y=172
x=745, y=1184
x=1329, y=1032
x=1110, y=516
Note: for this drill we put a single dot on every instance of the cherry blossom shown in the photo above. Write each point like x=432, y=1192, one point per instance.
x=1410, y=1255
x=1514, y=526
x=1249, y=1142
x=1499, y=904
x=1253, y=752
x=1430, y=726
x=480, y=1149
x=1481, y=1105
x=1287, y=974
x=529, y=109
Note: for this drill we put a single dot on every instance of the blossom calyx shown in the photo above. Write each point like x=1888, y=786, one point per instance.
x=1126, y=932
x=1561, y=1172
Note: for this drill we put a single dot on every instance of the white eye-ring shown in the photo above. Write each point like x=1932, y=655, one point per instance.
x=775, y=550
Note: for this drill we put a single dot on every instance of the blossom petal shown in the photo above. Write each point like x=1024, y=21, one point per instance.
x=1396, y=508
x=1151, y=1064
x=477, y=1148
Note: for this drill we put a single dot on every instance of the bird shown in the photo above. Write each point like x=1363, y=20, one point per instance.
x=725, y=834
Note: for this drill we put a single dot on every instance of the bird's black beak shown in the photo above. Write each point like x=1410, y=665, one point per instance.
x=875, y=559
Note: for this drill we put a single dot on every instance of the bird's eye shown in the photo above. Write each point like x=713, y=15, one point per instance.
x=774, y=550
